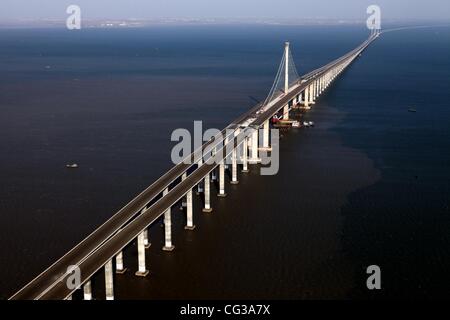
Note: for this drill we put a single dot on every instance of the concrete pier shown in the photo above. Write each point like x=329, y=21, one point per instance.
x=199, y=186
x=189, y=212
x=311, y=95
x=109, y=281
x=306, y=98
x=207, y=182
x=183, y=199
x=234, y=179
x=87, y=291
x=214, y=175
x=266, y=128
x=142, y=271
x=245, y=155
x=286, y=112
x=147, y=243
x=254, y=148
x=119, y=264
x=168, y=246
x=222, y=180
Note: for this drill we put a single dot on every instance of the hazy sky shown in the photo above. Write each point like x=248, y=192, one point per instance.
x=289, y=9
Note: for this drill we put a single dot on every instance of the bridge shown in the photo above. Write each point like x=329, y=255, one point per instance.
x=240, y=140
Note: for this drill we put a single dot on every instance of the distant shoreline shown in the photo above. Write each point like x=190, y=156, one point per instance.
x=137, y=23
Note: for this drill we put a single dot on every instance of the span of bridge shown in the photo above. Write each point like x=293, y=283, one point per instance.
x=106, y=243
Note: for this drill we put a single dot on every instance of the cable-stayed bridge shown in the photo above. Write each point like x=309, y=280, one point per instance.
x=103, y=248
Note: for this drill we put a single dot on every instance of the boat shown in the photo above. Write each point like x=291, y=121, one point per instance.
x=311, y=123
x=412, y=110
x=72, y=166
x=306, y=124
x=295, y=124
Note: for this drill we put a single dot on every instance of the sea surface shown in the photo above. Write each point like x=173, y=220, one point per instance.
x=368, y=185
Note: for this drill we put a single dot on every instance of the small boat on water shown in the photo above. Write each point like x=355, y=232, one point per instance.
x=306, y=124
x=72, y=166
x=311, y=123
x=295, y=124
x=412, y=110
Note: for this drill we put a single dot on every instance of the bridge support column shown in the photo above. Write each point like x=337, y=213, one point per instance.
x=142, y=271
x=306, y=98
x=311, y=94
x=183, y=199
x=245, y=155
x=266, y=128
x=87, y=290
x=222, y=180
x=214, y=171
x=234, y=179
x=227, y=157
x=199, y=185
x=286, y=112
x=119, y=263
x=109, y=282
x=189, y=212
x=168, y=246
x=254, y=148
x=147, y=244
x=207, y=207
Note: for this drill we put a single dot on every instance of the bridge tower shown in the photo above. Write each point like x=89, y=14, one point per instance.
x=286, y=67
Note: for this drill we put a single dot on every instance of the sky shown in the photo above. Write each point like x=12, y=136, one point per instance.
x=11, y=10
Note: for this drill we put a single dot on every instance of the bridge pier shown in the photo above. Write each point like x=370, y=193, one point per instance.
x=234, y=179
x=168, y=246
x=311, y=94
x=266, y=128
x=222, y=180
x=183, y=199
x=306, y=98
x=254, y=148
x=214, y=171
x=189, y=212
x=207, y=207
x=142, y=271
x=147, y=244
x=245, y=155
x=286, y=112
x=109, y=282
x=119, y=263
x=199, y=185
x=87, y=291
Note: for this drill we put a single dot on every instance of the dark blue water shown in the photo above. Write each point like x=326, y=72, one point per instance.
x=368, y=185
